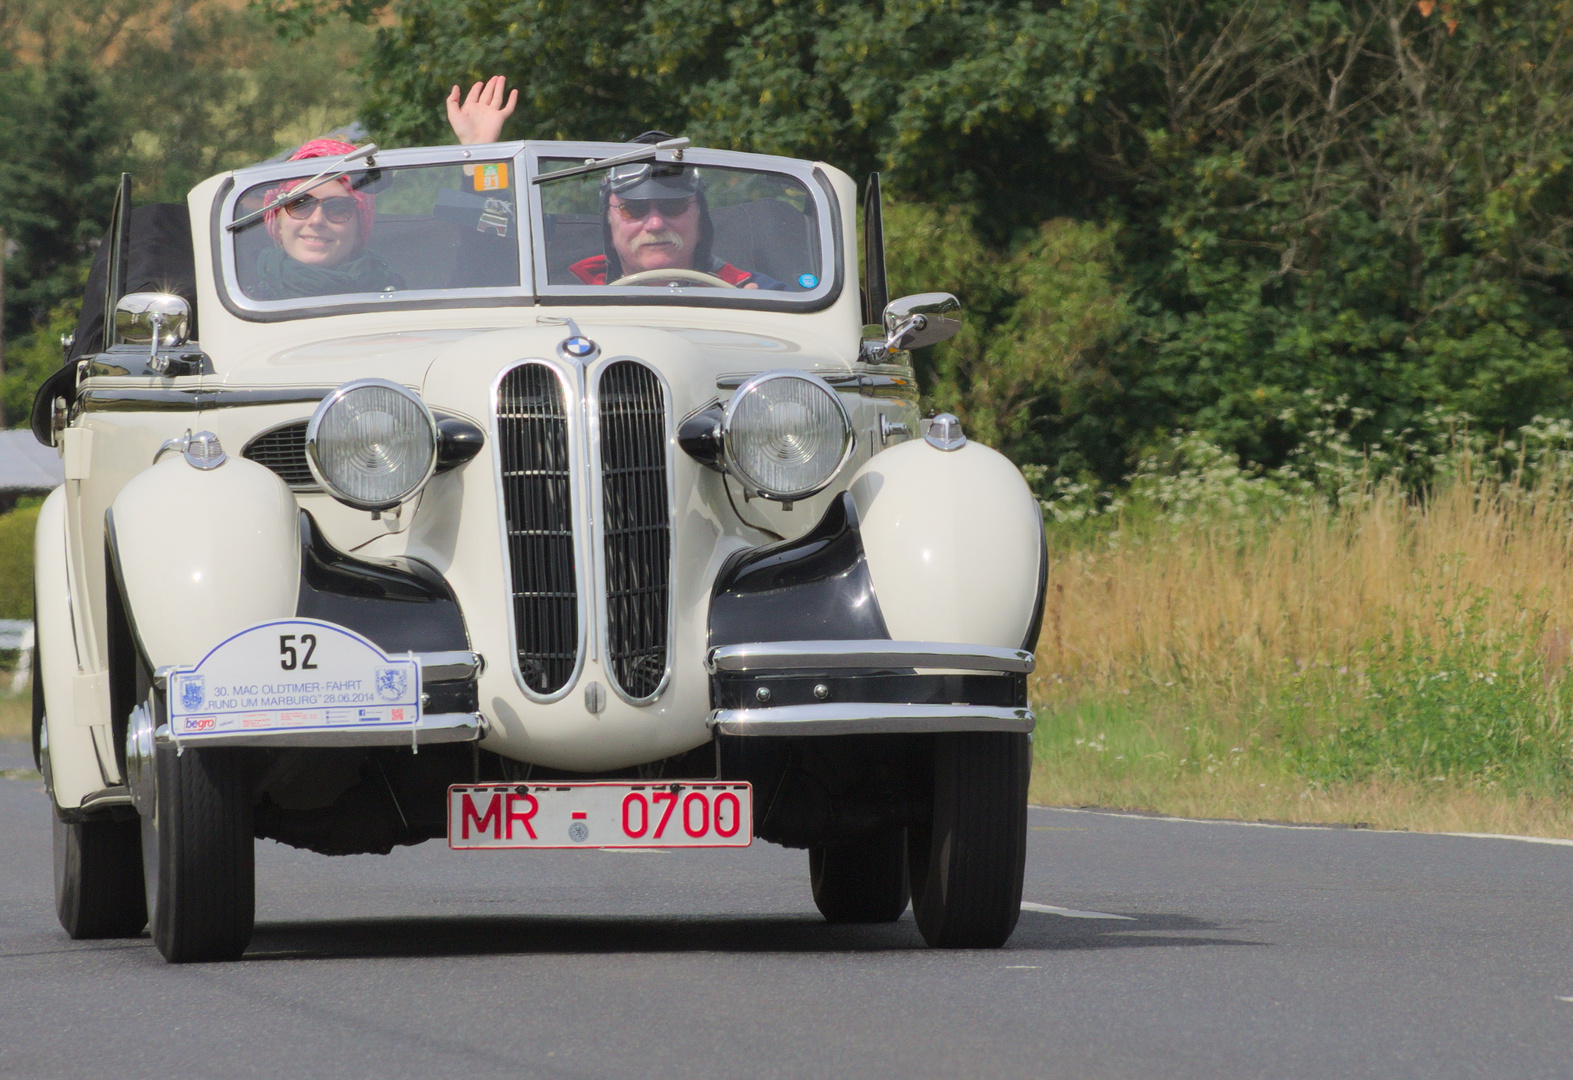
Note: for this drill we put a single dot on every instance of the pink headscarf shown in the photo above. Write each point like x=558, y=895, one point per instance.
x=324, y=148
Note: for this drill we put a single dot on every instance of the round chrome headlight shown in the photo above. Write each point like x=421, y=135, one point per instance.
x=786, y=434
x=372, y=444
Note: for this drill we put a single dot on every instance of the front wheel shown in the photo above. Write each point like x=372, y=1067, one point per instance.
x=198, y=854
x=966, y=866
x=861, y=882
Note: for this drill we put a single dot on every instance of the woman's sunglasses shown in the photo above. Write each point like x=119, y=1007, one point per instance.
x=639, y=209
x=339, y=209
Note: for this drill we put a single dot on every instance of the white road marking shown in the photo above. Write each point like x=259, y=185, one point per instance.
x=1508, y=836
x=1561, y=998
x=1189, y=821
x=1071, y=913
x=1555, y=841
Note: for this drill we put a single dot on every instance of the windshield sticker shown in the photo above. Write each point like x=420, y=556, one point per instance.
x=495, y=217
x=808, y=281
x=492, y=177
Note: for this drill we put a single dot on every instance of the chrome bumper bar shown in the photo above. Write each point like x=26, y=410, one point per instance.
x=773, y=656
x=432, y=729
x=869, y=719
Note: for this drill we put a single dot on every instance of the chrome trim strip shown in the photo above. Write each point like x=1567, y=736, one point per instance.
x=119, y=795
x=597, y=497
x=432, y=729
x=448, y=666
x=869, y=719
x=812, y=655
x=95, y=399
x=574, y=418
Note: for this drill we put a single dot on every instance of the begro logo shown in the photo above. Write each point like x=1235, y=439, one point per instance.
x=193, y=692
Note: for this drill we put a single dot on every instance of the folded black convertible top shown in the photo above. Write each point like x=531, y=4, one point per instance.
x=159, y=259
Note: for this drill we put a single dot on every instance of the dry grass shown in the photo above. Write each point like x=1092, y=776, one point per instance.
x=1166, y=651
x=1202, y=604
x=16, y=713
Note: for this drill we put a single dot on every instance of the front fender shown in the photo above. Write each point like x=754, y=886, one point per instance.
x=954, y=542
x=71, y=767
x=202, y=553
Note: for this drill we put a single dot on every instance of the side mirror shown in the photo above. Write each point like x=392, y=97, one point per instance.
x=916, y=322
x=158, y=320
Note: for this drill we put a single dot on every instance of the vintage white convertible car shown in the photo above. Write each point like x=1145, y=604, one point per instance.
x=497, y=542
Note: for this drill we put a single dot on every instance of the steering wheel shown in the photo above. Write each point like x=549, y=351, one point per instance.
x=697, y=277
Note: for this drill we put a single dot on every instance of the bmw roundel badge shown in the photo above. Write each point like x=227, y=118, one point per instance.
x=578, y=346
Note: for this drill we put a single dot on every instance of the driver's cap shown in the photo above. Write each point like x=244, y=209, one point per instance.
x=653, y=180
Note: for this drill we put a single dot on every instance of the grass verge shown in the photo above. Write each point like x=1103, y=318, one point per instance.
x=1396, y=661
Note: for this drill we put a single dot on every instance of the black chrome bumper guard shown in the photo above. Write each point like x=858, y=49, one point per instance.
x=867, y=687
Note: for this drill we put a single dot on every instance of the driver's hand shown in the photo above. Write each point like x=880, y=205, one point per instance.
x=479, y=117
x=752, y=285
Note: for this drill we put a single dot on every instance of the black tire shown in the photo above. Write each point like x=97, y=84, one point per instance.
x=966, y=867
x=98, y=879
x=199, y=855
x=861, y=882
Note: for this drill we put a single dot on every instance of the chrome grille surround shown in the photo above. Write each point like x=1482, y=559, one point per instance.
x=537, y=456
x=283, y=450
x=636, y=564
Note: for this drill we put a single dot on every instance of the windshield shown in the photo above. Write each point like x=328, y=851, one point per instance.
x=420, y=228
x=670, y=225
x=382, y=231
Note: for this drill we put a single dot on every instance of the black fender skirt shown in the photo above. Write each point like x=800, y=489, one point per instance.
x=402, y=604
x=814, y=588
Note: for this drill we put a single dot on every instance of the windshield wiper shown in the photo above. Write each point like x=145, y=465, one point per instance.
x=335, y=170
x=644, y=153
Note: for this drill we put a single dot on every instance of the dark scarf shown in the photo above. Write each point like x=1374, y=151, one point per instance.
x=280, y=277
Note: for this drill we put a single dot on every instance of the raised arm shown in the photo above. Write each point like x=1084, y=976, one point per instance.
x=478, y=117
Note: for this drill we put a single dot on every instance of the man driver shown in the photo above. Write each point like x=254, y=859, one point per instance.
x=655, y=217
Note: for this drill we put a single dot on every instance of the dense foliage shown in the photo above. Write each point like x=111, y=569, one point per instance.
x=1163, y=215
x=1366, y=198
x=171, y=91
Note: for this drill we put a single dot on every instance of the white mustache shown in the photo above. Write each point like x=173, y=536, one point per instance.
x=664, y=236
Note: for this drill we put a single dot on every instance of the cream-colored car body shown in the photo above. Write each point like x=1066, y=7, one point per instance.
x=950, y=539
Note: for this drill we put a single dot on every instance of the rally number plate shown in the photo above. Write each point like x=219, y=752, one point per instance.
x=293, y=675
x=598, y=815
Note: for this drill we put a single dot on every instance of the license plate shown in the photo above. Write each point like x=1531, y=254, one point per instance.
x=598, y=815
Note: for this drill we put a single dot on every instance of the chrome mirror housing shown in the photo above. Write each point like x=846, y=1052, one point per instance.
x=921, y=320
x=158, y=320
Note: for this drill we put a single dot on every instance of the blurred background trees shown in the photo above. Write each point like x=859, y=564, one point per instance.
x=1217, y=216
x=168, y=90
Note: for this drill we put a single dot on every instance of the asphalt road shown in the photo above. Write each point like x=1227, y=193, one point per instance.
x=1244, y=952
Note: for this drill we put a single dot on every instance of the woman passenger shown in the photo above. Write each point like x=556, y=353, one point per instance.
x=320, y=239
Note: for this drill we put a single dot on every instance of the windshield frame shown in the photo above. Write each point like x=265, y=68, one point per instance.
x=524, y=159
x=238, y=303
x=807, y=173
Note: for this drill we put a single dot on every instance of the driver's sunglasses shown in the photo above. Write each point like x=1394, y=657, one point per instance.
x=339, y=209
x=639, y=209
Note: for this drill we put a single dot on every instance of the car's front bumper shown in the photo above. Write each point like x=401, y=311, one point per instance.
x=786, y=688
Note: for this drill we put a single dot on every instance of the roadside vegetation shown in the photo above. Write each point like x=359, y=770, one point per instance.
x=1323, y=642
